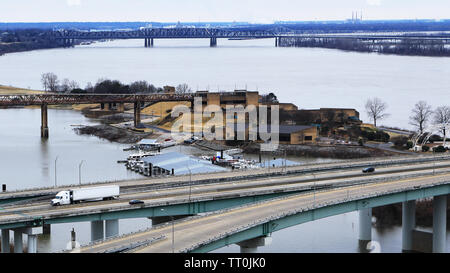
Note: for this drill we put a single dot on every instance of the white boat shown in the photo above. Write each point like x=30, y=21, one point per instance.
x=141, y=154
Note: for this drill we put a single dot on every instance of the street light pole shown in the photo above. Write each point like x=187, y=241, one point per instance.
x=314, y=201
x=173, y=231
x=56, y=159
x=79, y=172
x=190, y=182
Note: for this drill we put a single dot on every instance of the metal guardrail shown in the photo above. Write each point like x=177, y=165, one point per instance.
x=277, y=171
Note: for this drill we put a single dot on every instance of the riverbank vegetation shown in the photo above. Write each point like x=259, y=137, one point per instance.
x=25, y=40
x=410, y=47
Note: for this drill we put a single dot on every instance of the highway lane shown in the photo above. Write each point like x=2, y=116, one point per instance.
x=215, y=225
x=198, y=193
x=290, y=182
x=171, y=181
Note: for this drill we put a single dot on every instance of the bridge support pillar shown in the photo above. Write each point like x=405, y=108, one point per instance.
x=32, y=244
x=146, y=42
x=121, y=107
x=251, y=246
x=213, y=42
x=276, y=41
x=365, y=226
x=97, y=231
x=18, y=241
x=44, y=121
x=408, y=224
x=439, y=223
x=111, y=228
x=151, y=42
x=46, y=229
x=5, y=241
x=137, y=113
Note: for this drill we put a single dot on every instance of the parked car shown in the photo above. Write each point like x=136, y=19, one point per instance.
x=369, y=170
x=136, y=202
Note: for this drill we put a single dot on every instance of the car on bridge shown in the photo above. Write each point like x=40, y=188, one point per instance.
x=136, y=202
x=368, y=170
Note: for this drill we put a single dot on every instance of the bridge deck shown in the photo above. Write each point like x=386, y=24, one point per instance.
x=188, y=236
x=39, y=99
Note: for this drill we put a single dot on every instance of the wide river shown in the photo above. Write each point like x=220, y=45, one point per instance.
x=310, y=78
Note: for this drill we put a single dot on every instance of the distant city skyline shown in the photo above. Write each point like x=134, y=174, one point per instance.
x=253, y=11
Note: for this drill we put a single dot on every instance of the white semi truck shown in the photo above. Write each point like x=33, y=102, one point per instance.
x=86, y=194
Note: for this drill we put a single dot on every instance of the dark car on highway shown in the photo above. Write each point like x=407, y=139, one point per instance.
x=136, y=202
x=369, y=170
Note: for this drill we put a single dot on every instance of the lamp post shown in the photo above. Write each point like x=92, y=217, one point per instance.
x=190, y=183
x=173, y=230
x=314, y=191
x=79, y=172
x=56, y=159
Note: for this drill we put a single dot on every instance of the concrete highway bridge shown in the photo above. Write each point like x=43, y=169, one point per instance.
x=104, y=99
x=67, y=37
x=333, y=188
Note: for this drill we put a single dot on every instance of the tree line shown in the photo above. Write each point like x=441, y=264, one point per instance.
x=51, y=83
x=421, y=116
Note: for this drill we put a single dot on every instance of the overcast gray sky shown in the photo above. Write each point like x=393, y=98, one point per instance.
x=264, y=11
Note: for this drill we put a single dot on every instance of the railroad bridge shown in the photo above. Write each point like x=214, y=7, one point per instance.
x=104, y=99
x=67, y=37
x=283, y=36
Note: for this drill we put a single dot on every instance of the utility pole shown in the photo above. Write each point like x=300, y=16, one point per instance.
x=56, y=159
x=79, y=172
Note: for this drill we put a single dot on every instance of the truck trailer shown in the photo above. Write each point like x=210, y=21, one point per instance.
x=86, y=194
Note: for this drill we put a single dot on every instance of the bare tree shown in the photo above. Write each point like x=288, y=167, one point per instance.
x=64, y=87
x=73, y=85
x=442, y=116
x=89, y=88
x=420, y=115
x=49, y=82
x=138, y=87
x=183, y=88
x=376, y=109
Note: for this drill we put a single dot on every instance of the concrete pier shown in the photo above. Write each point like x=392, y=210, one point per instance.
x=137, y=113
x=5, y=241
x=251, y=246
x=365, y=225
x=97, y=230
x=44, y=121
x=121, y=107
x=148, y=42
x=32, y=244
x=439, y=223
x=111, y=228
x=213, y=42
x=408, y=224
x=46, y=228
x=18, y=241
